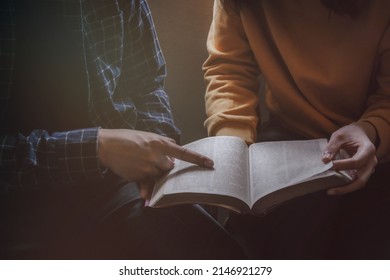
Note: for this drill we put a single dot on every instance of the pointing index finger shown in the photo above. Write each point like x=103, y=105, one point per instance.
x=186, y=154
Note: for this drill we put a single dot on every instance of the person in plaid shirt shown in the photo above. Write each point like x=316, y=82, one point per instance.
x=84, y=121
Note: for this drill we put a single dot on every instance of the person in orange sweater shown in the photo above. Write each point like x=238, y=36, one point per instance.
x=326, y=71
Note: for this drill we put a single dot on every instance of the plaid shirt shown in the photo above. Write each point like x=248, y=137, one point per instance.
x=125, y=70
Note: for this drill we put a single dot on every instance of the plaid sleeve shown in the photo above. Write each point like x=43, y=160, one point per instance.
x=148, y=71
x=40, y=158
x=126, y=67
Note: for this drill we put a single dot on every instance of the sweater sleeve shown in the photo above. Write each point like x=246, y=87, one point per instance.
x=232, y=78
x=378, y=103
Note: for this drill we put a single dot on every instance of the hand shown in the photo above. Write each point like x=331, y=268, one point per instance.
x=357, y=140
x=142, y=156
x=146, y=190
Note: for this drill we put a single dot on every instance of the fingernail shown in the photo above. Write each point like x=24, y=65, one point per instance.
x=171, y=164
x=209, y=163
x=327, y=155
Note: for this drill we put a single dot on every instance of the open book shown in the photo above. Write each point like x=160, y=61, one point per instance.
x=254, y=179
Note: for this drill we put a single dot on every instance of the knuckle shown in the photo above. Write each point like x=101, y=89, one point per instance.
x=355, y=164
x=146, y=170
x=155, y=143
x=338, y=136
x=375, y=161
x=182, y=150
x=371, y=148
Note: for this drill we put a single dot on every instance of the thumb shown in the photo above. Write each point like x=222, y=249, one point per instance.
x=146, y=189
x=331, y=150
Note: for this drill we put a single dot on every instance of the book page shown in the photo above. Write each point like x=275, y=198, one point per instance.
x=229, y=176
x=275, y=165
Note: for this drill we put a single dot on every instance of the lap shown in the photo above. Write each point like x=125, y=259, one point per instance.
x=108, y=222
x=300, y=229
x=318, y=226
x=363, y=222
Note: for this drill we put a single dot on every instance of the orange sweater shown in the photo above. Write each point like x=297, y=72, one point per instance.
x=322, y=70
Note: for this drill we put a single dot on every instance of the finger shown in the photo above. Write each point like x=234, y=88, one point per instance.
x=358, y=161
x=165, y=163
x=146, y=189
x=347, y=164
x=185, y=154
x=331, y=149
x=155, y=172
x=362, y=177
x=170, y=140
x=143, y=191
x=354, y=186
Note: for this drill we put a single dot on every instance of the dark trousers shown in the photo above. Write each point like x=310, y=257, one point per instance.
x=107, y=222
x=318, y=226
